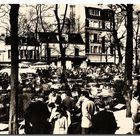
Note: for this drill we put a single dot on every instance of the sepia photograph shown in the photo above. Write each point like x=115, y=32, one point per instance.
x=70, y=69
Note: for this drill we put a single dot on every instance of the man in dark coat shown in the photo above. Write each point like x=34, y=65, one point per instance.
x=104, y=121
x=36, y=118
x=68, y=102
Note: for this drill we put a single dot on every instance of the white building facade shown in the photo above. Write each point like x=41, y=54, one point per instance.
x=98, y=34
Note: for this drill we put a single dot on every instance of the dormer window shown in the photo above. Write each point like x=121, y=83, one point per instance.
x=91, y=12
x=94, y=12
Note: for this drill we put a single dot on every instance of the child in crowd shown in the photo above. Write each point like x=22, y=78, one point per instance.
x=61, y=123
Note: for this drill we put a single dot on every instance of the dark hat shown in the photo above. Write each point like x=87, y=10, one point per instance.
x=101, y=105
x=85, y=93
x=58, y=100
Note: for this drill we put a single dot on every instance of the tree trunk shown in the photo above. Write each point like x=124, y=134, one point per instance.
x=13, y=122
x=48, y=54
x=63, y=59
x=128, y=104
x=36, y=29
x=136, y=46
x=116, y=41
x=60, y=31
x=128, y=58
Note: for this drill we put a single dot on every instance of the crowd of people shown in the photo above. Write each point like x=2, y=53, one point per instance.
x=62, y=115
x=77, y=101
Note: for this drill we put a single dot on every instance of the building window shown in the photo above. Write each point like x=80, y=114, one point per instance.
x=103, y=44
x=21, y=54
x=9, y=54
x=28, y=54
x=103, y=24
x=37, y=54
x=91, y=12
x=24, y=53
x=107, y=25
x=31, y=54
x=90, y=23
x=96, y=24
x=91, y=49
x=91, y=38
x=100, y=24
x=76, y=52
x=95, y=38
x=99, y=51
x=95, y=49
x=94, y=12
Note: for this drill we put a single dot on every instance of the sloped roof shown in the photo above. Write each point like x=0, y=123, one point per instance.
x=51, y=37
x=48, y=37
x=30, y=41
x=75, y=38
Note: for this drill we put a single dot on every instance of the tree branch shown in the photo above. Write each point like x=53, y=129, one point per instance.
x=64, y=17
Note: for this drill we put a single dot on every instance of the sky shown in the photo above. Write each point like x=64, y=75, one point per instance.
x=68, y=1
x=79, y=9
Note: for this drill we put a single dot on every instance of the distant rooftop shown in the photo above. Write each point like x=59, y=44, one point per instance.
x=51, y=37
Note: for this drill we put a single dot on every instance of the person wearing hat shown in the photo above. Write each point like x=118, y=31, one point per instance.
x=36, y=118
x=68, y=101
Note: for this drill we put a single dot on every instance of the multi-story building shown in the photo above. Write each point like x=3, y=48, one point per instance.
x=98, y=35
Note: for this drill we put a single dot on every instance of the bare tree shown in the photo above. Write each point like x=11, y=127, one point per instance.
x=126, y=18
x=35, y=21
x=4, y=17
x=136, y=37
x=119, y=15
x=60, y=28
x=13, y=121
x=128, y=58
